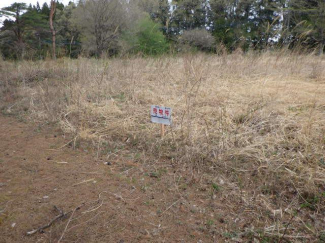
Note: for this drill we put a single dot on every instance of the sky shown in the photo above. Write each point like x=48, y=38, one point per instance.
x=6, y=3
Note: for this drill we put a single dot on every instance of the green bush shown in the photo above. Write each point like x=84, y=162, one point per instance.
x=148, y=38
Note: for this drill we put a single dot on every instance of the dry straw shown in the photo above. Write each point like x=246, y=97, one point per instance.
x=258, y=113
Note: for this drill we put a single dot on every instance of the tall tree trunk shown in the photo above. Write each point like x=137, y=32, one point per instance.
x=70, y=46
x=19, y=35
x=53, y=7
x=322, y=42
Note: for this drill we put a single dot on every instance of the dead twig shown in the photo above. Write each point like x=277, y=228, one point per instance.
x=88, y=211
x=285, y=230
x=75, y=226
x=3, y=210
x=95, y=208
x=42, y=228
x=289, y=236
x=85, y=181
x=65, y=145
x=170, y=206
x=99, y=173
x=65, y=229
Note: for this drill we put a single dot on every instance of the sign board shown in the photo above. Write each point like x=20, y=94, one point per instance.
x=160, y=114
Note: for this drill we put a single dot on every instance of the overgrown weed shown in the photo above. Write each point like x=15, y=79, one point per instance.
x=258, y=120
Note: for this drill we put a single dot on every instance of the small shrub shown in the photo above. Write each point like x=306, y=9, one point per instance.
x=198, y=38
x=147, y=39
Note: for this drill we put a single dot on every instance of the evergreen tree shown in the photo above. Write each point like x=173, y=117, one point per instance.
x=12, y=31
x=99, y=25
x=38, y=8
x=45, y=9
x=190, y=14
x=68, y=36
x=163, y=15
x=305, y=24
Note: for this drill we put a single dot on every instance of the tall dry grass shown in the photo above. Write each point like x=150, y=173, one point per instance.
x=257, y=119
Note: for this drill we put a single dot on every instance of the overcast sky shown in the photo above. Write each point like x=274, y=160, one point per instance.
x=5, y=3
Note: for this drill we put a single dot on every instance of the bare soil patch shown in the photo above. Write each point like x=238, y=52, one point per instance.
x=120, y=202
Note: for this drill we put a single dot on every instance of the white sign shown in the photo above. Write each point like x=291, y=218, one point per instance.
x=160, y=114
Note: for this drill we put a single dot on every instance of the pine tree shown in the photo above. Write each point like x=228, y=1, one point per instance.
x=16, y=27
x=45, y=9
x=190, y=14
x=305, y=24
x=38, y=8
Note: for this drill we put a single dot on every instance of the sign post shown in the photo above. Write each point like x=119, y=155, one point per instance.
x=161, y=115
x=162, y=133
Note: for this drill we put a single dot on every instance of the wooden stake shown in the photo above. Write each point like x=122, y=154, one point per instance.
x=162, y=130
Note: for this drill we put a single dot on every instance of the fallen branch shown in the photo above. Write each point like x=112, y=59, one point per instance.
x=65, y=229
x=41, y=229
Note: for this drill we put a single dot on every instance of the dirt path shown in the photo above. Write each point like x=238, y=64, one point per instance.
x=35, y=177
x=120, y=202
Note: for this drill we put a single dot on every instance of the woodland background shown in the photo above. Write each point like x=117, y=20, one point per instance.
x=96, y=28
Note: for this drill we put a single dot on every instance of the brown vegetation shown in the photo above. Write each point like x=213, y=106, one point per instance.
x=253, y=126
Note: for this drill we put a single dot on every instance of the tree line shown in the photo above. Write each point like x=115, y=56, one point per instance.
x=153, y=27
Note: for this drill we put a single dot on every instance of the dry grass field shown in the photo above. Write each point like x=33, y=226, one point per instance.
x=248, y=134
